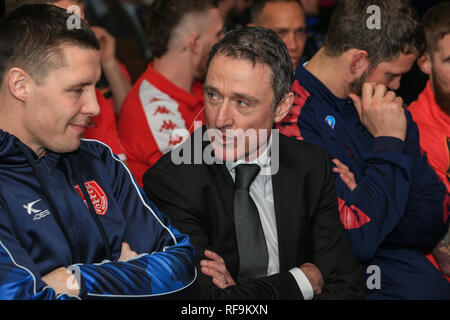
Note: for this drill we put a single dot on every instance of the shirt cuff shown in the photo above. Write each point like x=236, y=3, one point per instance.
x=388, y=144
x=303, y=283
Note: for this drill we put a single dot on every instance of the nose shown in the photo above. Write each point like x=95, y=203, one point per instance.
x=91, y=106
x=395, y=84
x=223, y=118
x=291, y=41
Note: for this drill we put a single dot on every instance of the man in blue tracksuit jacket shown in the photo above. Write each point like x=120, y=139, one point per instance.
x=73, y=222
x=391, y=202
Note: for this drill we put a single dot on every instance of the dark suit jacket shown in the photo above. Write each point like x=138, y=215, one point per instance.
x=198, y=198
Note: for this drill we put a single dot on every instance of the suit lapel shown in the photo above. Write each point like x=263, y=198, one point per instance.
x=286, y=189
x=222, y=180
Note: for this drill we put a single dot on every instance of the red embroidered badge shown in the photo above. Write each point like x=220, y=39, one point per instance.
x=97, y=195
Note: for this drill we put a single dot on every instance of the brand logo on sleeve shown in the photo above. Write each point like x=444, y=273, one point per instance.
x=97, y=195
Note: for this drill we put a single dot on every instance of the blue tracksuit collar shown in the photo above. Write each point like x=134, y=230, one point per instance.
x=312, y=84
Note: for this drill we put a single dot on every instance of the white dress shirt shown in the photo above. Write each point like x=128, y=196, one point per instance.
x=261, y=191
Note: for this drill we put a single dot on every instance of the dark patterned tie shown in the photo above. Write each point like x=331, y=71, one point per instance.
x=253, y=254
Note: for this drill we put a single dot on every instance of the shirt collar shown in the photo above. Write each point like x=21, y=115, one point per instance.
x=263, y=161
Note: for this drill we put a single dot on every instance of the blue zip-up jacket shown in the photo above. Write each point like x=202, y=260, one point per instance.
x=399, y=206
x=46, y=224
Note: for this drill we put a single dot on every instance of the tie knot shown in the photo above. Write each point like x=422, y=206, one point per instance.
x=245, y=174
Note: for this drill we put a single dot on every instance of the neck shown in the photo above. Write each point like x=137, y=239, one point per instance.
x=331, y=72
x=168, y=64
x=10, y=122
x=7, y=116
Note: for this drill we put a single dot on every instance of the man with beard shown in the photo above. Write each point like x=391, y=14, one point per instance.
x=431, y=111
x=391, y=201
x=168, y=98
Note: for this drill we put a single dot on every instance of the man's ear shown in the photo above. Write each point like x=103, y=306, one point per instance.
x=19, y=82
x=192, y=42
x=359, y=62
x=424, y=63
x=283, y=107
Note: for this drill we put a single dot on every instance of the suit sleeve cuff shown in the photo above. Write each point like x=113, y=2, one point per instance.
x=388, y=144
x=303, y=283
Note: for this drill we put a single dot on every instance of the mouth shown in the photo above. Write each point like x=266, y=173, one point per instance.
x=220, y=137
x=78, y=127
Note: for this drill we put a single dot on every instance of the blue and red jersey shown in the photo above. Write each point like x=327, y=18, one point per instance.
x=399, y=206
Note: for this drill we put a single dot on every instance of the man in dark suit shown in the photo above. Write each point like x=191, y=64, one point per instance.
x=260, y=208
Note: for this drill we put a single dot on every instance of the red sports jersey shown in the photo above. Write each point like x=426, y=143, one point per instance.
x=105, y=88
x=153, y=118
x=103, y=127
x=434, y=130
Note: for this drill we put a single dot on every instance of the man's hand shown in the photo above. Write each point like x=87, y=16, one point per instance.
x=381, y=111
x=126, y=253
x=441, y=253
x=62, y=281
x=314, y=276
x=346, y=175
x=217, y=270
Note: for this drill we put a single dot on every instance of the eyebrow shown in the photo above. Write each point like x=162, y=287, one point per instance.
x=302, y=29
x=210, y=88
x=81, y=84
x=248, y=98
x=395, y=74
x=236, y=95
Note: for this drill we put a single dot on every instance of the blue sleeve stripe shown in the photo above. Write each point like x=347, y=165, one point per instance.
x=22, y=267
x=41, y=294
x=146, y=295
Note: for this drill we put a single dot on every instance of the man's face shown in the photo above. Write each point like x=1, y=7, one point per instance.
x=288, y=20
x=440, y=73
x=212, y=34
x=390, y=73
x=61, y=105
x=238, y=107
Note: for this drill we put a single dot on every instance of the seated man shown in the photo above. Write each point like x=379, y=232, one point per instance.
x=166, y=100
x=285, y=17
x=73, y=223
x=111, y=89
x=431, y=111
x=390, y=200
x=259, y=207
x=114, y=83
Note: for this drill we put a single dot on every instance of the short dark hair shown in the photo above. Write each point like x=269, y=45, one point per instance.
x=165, y=15
x=436, y=22
x=400, y=30
x=259, y=45
x=257, y=7
x=32, y=35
